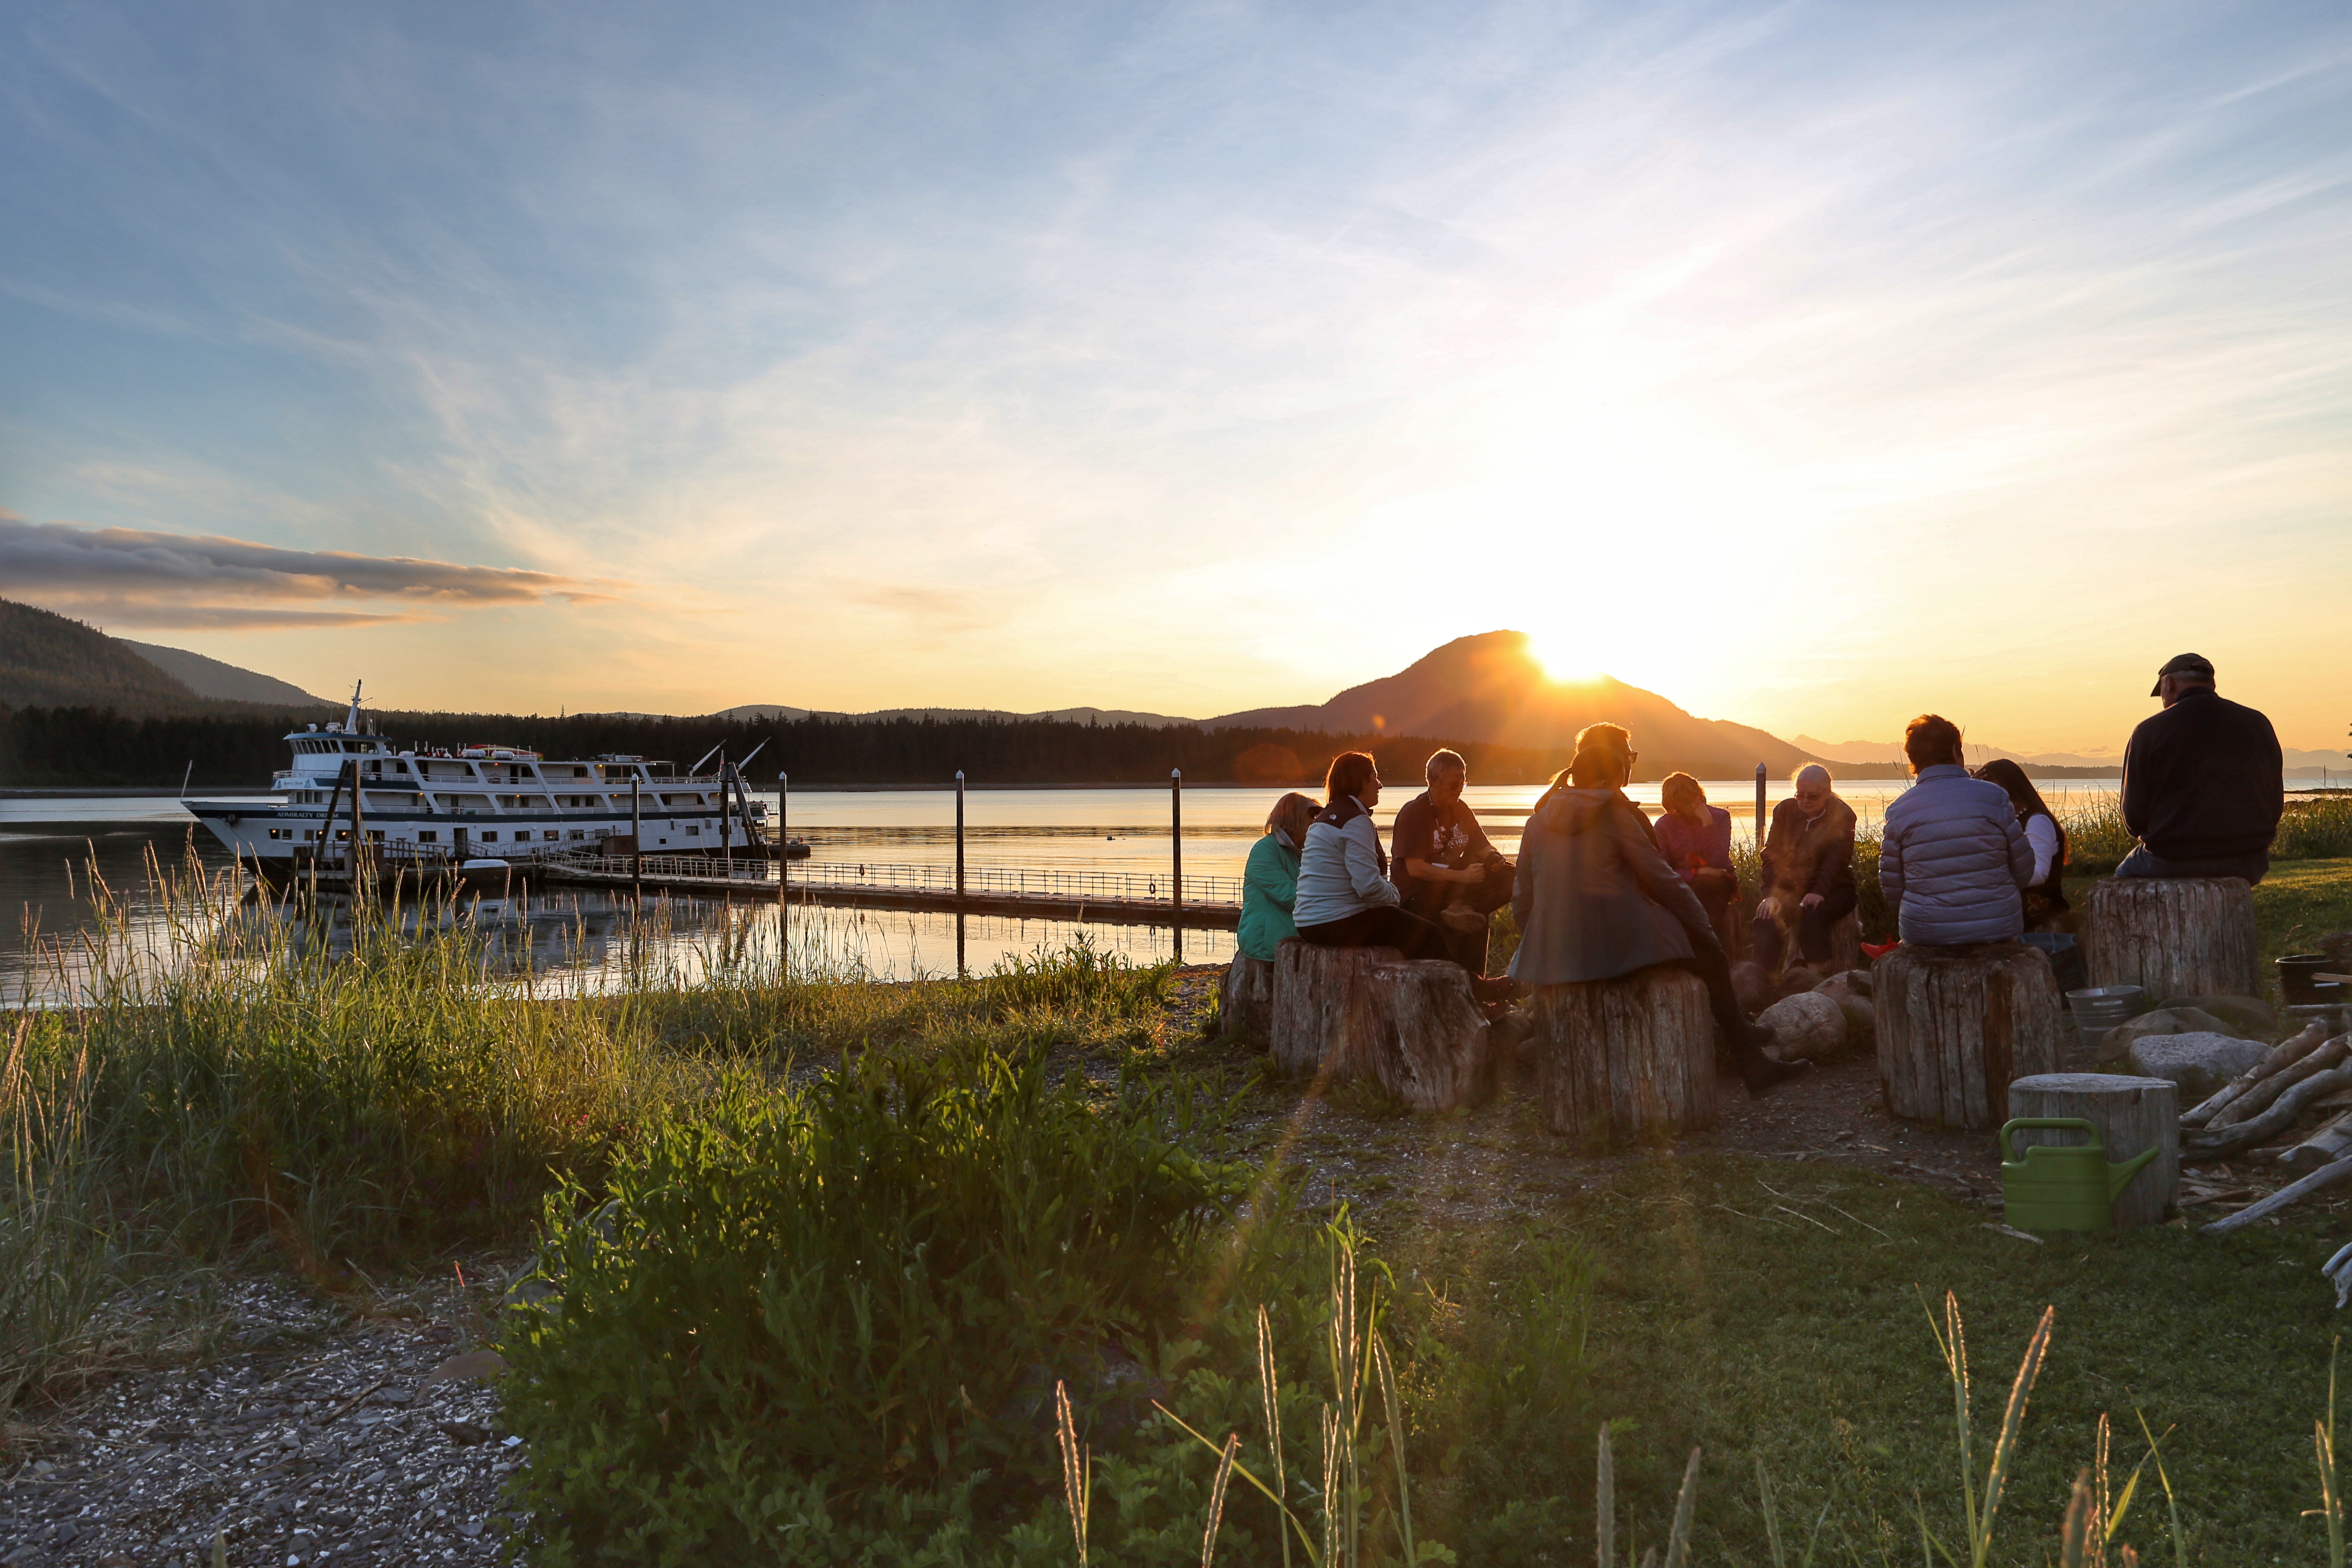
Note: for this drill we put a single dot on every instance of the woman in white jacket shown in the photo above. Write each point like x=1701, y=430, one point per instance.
x=1345, y=897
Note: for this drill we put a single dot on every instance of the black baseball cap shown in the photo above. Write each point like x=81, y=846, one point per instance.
x=2195, y=664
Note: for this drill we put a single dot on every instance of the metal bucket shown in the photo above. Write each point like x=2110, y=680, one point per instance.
x=2099, y=1008
x=2296, y=972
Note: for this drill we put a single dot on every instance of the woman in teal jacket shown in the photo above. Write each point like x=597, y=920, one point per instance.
x=1270, y=881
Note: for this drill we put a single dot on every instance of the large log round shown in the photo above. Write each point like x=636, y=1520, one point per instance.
x=1431, y=1050
x=2132, y=1114
x=2187, y=936
x=1327, y=1007
x=1626, y=1060
x=1958, y=1024
x=1245, y=997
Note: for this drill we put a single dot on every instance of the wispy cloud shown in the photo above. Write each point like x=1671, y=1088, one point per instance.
x=133, y=577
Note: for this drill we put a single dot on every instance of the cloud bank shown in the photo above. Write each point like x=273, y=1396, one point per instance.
x=135, y=577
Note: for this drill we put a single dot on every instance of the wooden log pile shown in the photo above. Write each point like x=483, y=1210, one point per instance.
x=2293, y=1110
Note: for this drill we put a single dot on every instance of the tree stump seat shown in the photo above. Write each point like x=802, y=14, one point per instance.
x=2132, y=1114
x=1364, y=1012
x=1325, y=1013
x=1625, y=1060
x=1958, y=1024
x=1431, y=1047
x=1245, y=997
x=2175, y=936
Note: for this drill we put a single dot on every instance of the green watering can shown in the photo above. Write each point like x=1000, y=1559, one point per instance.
x=2063, y=1189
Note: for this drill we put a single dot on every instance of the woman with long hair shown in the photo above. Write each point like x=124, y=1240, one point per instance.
x=1345, y=898
x=2046, y=887
x=1270, y=879
x=1595, y=899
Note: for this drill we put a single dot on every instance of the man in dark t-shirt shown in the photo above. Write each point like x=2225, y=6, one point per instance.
x=1446, y=866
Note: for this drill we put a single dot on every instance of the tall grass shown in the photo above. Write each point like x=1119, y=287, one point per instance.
x=232, y=1080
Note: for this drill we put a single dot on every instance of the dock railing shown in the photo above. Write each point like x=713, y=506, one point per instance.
x=978, y=881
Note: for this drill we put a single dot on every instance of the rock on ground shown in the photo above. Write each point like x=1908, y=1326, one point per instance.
x=2249, y=1017
x=1808, y=1025
x=2200, y=1063
x=1850, y=992
x=2116, y=1043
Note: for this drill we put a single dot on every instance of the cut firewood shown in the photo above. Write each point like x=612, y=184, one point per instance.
x=2270, y=1123
x=2319, y=1181
x=2262, y=1096
x=2325, y=1147
x=2285, y=1054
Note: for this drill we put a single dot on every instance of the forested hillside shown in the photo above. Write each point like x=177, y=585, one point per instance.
x=56, y=661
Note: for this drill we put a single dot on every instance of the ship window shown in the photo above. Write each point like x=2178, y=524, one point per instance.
x=491, y=835
x=429, y=836
x=342, y=832
x=693, y=832
x=578, y=834
x=277, y=833
x=551, y=834
x=375, y=835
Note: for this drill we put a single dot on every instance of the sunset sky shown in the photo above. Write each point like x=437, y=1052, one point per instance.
x=1808, y=364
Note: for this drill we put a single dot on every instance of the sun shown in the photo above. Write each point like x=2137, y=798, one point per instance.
x=1563, y=663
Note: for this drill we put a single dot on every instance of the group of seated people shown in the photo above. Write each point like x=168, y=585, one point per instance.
x=1600, y=892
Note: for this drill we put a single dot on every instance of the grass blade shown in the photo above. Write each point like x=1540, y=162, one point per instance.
x=2171, y=1501
x=1772, y=1515
x=2013, y=1423
x=2076, y=1535
x=1396, y=1445
x=1077, y=1469
x=1217, y=1501
x=1685, y=1503
x=1604, y=1503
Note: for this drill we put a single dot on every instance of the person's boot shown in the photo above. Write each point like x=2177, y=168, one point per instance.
x=1496, y=988
x=1760, y=1072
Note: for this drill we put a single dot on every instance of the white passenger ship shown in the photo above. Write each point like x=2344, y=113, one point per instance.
x=474, y=803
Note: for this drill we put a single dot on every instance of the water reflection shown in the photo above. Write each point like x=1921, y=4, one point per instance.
x=140, y=904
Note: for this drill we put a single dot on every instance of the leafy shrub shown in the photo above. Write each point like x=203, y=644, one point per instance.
x=830, y=1322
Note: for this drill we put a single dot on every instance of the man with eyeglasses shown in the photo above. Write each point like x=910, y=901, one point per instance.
x=1808, y=876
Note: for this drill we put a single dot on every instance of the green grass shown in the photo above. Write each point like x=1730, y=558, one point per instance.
x=1798, y=1339
x=336, y=1113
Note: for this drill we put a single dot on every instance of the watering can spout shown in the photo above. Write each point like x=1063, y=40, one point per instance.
x=2119, y=1174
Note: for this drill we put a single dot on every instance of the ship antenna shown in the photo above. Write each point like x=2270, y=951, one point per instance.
x=352, y=721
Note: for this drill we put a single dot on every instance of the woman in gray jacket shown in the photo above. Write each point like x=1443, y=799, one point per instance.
x=1952, y=858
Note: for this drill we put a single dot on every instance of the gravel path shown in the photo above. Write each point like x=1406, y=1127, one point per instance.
x=343, y=1451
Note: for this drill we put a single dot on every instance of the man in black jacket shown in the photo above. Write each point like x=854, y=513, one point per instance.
x=2203, y=783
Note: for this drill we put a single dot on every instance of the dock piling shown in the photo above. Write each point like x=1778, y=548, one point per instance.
x=1176, y=869
x=1761, y=823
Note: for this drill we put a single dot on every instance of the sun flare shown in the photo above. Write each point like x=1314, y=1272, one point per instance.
x=1562, y=660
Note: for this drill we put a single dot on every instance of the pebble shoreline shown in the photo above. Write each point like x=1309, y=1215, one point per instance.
x=347, y=1450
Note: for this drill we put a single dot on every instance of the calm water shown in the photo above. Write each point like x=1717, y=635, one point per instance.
x=49, y=847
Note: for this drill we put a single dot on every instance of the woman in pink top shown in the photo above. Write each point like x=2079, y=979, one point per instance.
x=1695, y=839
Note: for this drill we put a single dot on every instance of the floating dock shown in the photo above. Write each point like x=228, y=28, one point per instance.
x=1106, y=906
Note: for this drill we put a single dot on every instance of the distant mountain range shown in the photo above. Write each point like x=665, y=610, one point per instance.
x=2297, y=763
x=1062, y=715
x=55, y=661
x=1488, y=688
x=222, y=683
